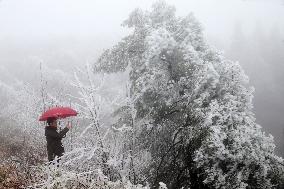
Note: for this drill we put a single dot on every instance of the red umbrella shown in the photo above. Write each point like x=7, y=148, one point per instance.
x=58, y=112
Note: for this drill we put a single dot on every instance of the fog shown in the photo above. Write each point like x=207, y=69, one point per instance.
x=68, y=33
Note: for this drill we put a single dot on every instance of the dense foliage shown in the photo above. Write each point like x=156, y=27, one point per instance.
x=196, y=106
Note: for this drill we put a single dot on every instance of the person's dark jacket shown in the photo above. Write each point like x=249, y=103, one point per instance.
x=54, y=144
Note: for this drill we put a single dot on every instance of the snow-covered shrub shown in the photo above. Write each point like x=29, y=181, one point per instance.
x=99, y=156
x=53, y=176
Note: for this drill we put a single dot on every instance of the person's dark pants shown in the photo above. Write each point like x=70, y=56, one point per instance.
x=52, y=157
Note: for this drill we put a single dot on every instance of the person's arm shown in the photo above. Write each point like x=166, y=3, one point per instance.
x=55, y=134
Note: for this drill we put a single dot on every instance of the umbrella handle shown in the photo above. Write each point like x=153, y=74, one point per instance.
x=69, y=123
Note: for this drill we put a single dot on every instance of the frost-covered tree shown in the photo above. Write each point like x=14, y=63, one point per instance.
x=200, y=128
x=100, y=155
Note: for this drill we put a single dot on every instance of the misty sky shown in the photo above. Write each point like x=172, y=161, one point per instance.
x=87, y=27
x=80, y=30
x=102, y=18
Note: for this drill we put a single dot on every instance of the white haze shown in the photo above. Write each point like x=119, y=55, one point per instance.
x=67, y=33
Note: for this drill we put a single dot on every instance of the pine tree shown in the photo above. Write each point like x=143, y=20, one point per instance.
x=201, y=131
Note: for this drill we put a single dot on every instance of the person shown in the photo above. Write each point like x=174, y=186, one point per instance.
x=53, y=139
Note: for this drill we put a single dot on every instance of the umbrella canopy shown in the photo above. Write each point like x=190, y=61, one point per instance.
x=58, y=112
